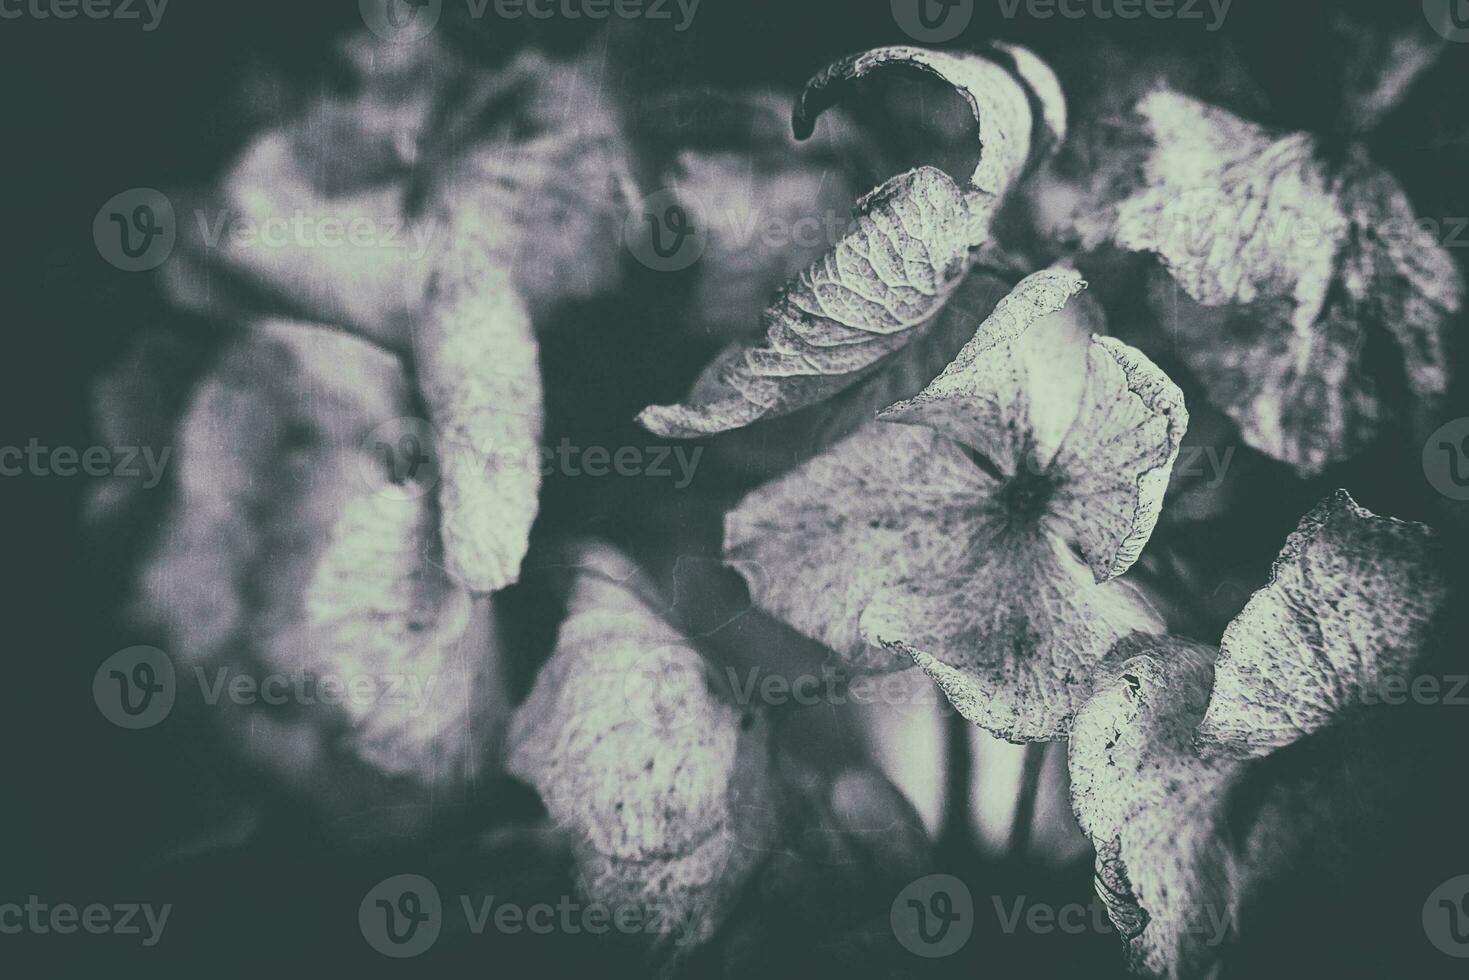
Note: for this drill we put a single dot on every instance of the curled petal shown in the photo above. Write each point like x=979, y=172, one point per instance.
x=1350, y=604
x=1114, y=467
x=879, y=288
x=983, y=399
x=999, y=104
x=478, y=370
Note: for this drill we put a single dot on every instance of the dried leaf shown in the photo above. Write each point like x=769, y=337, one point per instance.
x=1350, y=604
x=479, y=373
x=1169, y=770
x=662, y=781
x=912, y=243
x=1151, y=806
x=326, y=233
x=1306, y=262
x=290, y=550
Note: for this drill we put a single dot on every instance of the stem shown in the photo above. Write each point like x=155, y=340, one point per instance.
x=1030, y=781
x=956, y=837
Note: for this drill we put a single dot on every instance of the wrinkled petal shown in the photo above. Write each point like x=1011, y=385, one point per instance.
x=907, y=252
x=815, y=545
x=1351, y=603
x=878, y=288
x=1152, y=807
x=1115, y=464
x=984, y=398
x=1013, y=634
x=659, y=777
x=1122, y=429
x=1300, y=398
x=479, y=372
x=291, y=550
x=1233, y=212
x=1307, y=262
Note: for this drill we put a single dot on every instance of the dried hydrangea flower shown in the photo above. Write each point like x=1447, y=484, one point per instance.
x=1171, y=732
x=912, y=243
x=1300, y=261
x=900, y=544
x=663, y=783
x=290, y=550
x=524, y=218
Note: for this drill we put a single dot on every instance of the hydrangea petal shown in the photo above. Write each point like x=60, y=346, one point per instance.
x=1114, y=466
x=1151, y=805
x=816, y=544
x=912, y=243
x=1013, y=634
x=984, y=398
x=1350, y=603
x=661, y=780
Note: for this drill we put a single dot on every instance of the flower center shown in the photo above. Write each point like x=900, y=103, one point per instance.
x=1026, y=496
